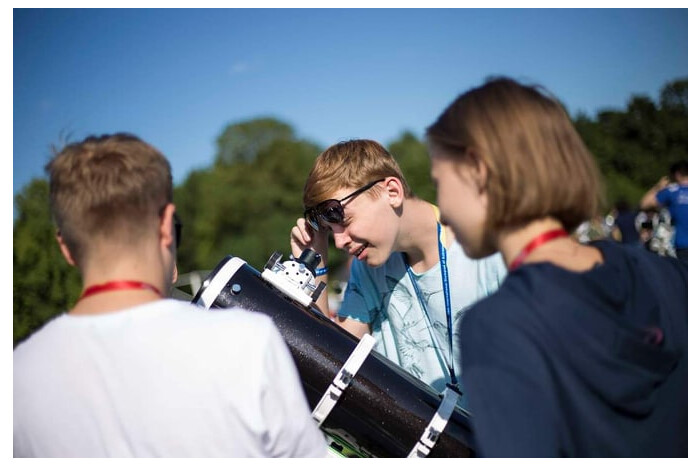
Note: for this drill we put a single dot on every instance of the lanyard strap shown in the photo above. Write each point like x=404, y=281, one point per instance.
x=442, y=251
x=536, y=242
x=119, y=285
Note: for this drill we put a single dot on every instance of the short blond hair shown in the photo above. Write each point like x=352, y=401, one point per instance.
x=110, y=186
x=536, y=162
x=350, y=164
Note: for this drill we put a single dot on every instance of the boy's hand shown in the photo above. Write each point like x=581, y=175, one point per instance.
x=303, y=236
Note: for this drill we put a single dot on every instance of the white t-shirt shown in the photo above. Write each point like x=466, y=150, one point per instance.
x=163, y=379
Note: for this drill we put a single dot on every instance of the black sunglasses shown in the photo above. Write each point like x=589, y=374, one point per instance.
x=331, y=210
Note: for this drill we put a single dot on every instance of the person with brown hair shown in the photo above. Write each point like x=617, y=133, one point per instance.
x=129, y=372
x=583, y=349
x=409, y=281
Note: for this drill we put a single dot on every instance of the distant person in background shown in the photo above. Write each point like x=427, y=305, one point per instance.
x=583, y=350
x=128, y=372
x=673, y=196
x=625, y=230
x=645, y=222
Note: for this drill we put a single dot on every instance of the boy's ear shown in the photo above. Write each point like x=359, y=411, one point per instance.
x=167, y=228
x=394, y=190
x=64, y=249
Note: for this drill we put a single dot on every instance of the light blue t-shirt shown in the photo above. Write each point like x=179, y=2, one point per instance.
x=385, y=298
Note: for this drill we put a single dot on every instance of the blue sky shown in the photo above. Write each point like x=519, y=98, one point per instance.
x=177, y=77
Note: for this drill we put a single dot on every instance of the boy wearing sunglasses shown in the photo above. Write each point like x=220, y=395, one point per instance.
x=129, y=372
x=409, y=281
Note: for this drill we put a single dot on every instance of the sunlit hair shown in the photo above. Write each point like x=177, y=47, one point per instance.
x=350, y=164
x=537, y=164
x=107, y=187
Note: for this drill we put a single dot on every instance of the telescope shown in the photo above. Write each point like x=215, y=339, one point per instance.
x=366, y=405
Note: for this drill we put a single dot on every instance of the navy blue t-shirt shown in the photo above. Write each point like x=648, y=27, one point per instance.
x=628, y=230
x=558, y=363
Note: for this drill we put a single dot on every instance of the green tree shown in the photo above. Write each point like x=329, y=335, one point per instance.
x=412, y=156
x=43, y=284
x=636, y=146
x=246, y=205
x=242, y=142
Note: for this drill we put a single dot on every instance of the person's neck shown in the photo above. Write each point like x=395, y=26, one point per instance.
x=102, y=272
x=564, y=252
x=418, y=235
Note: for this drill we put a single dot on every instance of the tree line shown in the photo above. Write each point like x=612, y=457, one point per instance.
x=245, y=203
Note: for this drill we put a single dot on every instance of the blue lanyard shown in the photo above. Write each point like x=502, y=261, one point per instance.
x=442, y=251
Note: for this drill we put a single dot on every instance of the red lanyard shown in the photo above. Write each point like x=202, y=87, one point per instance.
x=119, y=285
x=539, y=240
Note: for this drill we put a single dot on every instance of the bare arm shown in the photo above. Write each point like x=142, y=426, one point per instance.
x=354, y=327
x=649, y=199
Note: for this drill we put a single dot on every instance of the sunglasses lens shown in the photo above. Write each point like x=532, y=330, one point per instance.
x=332, y=212
x=311, y=219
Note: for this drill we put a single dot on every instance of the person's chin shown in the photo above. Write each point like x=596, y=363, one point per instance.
x=474, y=251
x=372, y=258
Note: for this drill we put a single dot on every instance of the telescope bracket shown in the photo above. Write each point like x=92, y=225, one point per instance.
x=343, y=379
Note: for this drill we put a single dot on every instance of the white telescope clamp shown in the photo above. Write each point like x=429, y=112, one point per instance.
x=343, y=379
x=437, y=424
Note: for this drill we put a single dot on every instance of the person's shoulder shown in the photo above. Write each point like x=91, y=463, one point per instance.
x=38, y=337
x=617, y=252
x=670, y=189
x=655, y=268
x=500, y=317
x=509, y=302
x=234, y=319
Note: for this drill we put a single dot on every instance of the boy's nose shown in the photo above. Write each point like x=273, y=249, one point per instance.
x=340, y=236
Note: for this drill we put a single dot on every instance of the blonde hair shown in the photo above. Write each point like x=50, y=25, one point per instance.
x=110, y=186
x=350, y=164
x=537, y=165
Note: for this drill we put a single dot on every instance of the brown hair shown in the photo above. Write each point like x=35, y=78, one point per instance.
x=110, y=186
x=537, y=164
x=350, y=164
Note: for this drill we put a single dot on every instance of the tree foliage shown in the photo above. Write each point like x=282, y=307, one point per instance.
x=246, y=202
x=43, y=284
x=242, y=142
x=636, y=146
x=247, y=206
x=412, y=156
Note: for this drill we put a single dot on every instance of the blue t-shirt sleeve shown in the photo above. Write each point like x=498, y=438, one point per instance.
x=359, y=301
x=664, y=197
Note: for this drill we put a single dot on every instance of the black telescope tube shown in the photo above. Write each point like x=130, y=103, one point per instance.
x=384, y=411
